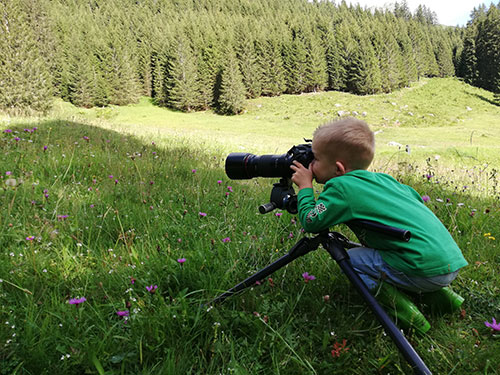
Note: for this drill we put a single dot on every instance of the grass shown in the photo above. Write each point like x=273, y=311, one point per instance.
x=68, y=229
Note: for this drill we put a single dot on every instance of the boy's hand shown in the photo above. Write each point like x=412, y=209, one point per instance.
x=303, y=176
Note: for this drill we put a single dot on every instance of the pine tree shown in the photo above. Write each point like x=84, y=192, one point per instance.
x=248, y=62
x=271, y=63
x=231, y=97
x=25, y=78
x=182, y=77
x=316, y=76
x=488, y=49
x=294, y=56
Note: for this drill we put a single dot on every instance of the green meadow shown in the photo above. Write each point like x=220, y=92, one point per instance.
x=118, y=225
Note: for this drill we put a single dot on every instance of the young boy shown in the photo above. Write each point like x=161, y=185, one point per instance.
x=343, y=150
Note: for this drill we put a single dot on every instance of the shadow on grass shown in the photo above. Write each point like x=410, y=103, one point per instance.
x=483, y=98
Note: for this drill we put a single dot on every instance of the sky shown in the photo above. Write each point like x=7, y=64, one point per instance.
x=449, y=12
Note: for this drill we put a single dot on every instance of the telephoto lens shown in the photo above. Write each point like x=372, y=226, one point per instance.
x=243, y=166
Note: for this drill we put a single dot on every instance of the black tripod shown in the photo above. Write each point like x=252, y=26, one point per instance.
x=336, y=245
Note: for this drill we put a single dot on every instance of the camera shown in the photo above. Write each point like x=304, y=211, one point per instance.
x=242, y=166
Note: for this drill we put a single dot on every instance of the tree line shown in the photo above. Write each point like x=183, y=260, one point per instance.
x=480, y=61
x=213, y=54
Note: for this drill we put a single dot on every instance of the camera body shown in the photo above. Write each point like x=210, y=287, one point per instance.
x=242, y=166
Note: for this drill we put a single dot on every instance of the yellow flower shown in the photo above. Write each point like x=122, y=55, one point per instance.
x=487, y=234
x=491, y=238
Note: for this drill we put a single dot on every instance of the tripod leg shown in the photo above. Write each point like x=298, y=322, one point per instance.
x=339, y=254
x=302, y=247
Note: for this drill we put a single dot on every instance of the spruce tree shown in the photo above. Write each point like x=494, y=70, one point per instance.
x=25, y=76
x=182, y=76
x=231, y=97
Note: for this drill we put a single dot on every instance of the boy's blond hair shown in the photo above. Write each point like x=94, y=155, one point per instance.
x=349, y=140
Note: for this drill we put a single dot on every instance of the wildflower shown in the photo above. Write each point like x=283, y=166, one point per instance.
x=230, y=188
x=45, y=148
x=308, y=277
x=17, y=139
x=62, y=217
x=227, y=239
x=123, y=313
x=326, y=298
x=426, y=198
x=278, y=214
x=151, y=289
x=202, y=214
x=77, y=301
x=181, y=260
x=86, y=138
x=193, y=170
x=7, y=131
x=429, y=176
x=339, y=348
x=8, y=173
x=219, y=182
x=227, y=193
x=494, y=325
x=110, y=176
x=290, y=235
x=92, y=206
x=30, y=238
x=116, y=181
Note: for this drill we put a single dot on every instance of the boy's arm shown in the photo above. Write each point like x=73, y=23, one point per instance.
x=328, y=210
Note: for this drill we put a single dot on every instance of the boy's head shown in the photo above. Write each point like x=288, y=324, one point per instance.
x=348, y=141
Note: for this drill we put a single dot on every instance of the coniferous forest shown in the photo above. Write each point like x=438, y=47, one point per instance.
x=213, y=54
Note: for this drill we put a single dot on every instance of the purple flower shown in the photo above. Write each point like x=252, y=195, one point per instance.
x=7, y=131
x=494, y=325
x=45, y=148
x=30, y=238
x=152, y=288
x=308, y=277
x=62, y=217
x=8, y=173
x=110, y=176
x=227, y=239
x=230, y=188
x=219, y=182
x=181, y=260
x=193, y=170
x=123, y=313
x=202, y=214
x=429, y=176
x=92, y=206
x=290, y=235
x=426, y=198
x=278, y=214
x=116, y=181
x=17, y=139
x=77, y=301
x=86, y=138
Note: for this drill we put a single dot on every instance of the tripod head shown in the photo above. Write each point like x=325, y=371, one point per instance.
x=282, y=196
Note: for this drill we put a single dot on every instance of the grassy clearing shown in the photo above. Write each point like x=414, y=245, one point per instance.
x=106, y=214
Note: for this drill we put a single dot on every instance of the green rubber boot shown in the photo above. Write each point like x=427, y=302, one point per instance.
x=402, y=309
x=443, y=301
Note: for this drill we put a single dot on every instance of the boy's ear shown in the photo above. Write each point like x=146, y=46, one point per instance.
x=341, y=168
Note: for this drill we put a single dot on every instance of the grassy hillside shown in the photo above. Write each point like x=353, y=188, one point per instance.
x=436, y=116
x=98, y=215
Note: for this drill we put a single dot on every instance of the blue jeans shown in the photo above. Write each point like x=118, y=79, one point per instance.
x=370, y=266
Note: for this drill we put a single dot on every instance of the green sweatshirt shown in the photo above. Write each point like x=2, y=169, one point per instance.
x=361, y=194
